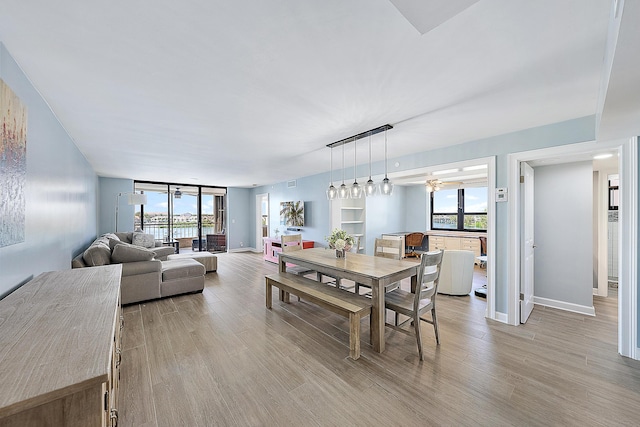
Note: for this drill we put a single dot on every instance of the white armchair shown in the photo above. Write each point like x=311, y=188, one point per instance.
x=456, y=276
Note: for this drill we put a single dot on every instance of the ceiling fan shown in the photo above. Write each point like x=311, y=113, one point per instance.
x=433, y=185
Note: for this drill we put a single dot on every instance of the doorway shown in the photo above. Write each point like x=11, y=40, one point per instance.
x=627, y=289
x=262, y=219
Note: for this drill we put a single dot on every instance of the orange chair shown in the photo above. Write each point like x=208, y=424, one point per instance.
x=413, y=241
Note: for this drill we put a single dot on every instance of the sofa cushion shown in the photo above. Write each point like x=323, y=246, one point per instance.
x=110, y=236
x=97, y=254
x=141, y=267
x=144, y=240
x=114, y=242
x=163, y=251
x=123, y=253
x=125, y=237
x=78, y=262
x=181, y=268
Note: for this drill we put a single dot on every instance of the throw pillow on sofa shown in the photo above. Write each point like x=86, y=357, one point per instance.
x=97, y=254
x=144, y=240
x=114, y=242
x=123, y=253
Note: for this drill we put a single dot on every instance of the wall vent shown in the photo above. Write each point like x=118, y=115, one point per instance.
x=291, y=184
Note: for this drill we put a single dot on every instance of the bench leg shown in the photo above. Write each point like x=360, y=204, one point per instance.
x=268, y=293
x=354, y=335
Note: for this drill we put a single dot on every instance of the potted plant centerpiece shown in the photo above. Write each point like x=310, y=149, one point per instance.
x=340, y=241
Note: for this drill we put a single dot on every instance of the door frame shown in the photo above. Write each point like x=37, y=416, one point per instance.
x=259, y=197
x=527, y=270
x=627, y=285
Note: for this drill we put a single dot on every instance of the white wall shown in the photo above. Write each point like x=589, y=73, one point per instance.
x=60, y=191
x=563, y=222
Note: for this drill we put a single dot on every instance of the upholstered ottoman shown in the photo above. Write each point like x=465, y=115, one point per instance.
x=207, y=259
x=180, y=276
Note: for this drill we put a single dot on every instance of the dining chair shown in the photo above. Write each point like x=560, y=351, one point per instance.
x=291, y=243
x=413, y=241
x=414, y=305
x=356, y=244
x=387, y=249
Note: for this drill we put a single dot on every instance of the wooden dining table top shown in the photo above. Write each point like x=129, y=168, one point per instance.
x=361, y=264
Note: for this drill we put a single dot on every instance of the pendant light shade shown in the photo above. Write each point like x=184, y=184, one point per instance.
x=370, y=187
x=356, y=190
x=332, y=192
x=343, y=192
x=386, y=187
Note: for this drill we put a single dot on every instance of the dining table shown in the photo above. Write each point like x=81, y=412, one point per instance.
x=375, y=272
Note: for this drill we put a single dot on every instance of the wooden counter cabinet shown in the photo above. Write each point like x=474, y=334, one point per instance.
x=60, y=354
x=448, y=241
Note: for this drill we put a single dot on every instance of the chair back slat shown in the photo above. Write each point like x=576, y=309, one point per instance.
x=428, y=277
x=356, y=244
x=387, y=248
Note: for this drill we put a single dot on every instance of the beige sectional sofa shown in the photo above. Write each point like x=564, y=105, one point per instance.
x=146, y=272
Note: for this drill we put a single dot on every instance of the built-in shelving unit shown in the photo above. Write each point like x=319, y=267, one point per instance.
x=349, y=215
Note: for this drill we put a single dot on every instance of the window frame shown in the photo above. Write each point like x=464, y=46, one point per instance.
x=460, y=214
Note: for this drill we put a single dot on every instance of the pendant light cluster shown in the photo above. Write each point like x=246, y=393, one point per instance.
x=355, y=191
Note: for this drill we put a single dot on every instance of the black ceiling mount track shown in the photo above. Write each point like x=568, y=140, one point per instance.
x=359, y=136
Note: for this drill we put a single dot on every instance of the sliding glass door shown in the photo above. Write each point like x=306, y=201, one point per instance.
x=185, y=215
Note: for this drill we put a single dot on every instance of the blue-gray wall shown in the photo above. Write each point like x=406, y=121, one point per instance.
x=415, y=211
x=563, y=221
x=109, y=188
x=60, y=191
x=240, y=218
x=385, y=214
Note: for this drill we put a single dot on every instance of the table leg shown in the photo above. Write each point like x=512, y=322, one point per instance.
x=377, y=316
x=414, y=283
x=282, y=267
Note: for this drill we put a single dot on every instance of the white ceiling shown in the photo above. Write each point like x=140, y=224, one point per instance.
x=236, y=93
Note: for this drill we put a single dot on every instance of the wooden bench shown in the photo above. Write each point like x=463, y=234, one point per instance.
x=347, y=304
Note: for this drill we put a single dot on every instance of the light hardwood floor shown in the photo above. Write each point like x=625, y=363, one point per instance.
x=221, y=358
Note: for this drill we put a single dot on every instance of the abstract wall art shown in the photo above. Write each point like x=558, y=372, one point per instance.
x=13, y=166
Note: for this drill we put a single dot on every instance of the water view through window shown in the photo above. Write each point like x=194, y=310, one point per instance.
x=183, y=213
x=459, y=209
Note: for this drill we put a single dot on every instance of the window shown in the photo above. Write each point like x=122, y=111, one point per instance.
x=444, y=205
x=462, y=209
x=181, y=212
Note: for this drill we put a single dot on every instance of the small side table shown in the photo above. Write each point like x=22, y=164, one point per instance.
x=175, y=244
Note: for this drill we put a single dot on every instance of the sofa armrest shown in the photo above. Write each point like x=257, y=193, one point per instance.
x=163, y=251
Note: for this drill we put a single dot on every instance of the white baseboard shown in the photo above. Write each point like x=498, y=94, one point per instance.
x=566, y=306
x=242, y=250
x=501, y=317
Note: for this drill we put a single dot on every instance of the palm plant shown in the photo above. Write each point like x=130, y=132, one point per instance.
x=292, y=213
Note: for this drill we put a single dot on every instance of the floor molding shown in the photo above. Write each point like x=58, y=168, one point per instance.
x=566, y=306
